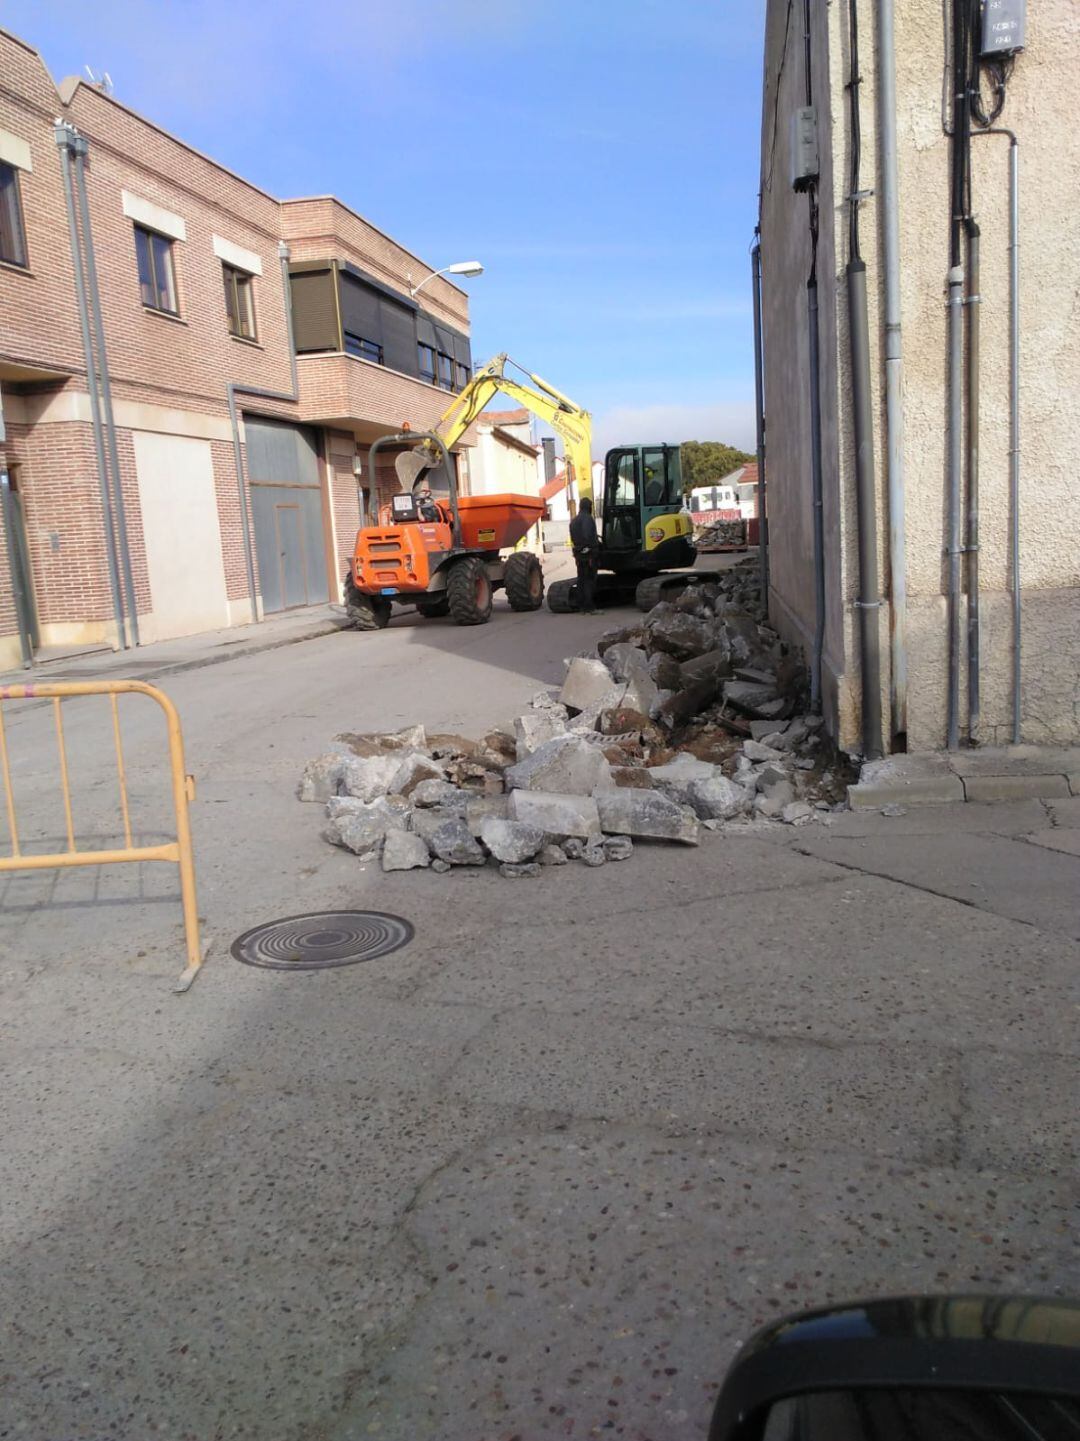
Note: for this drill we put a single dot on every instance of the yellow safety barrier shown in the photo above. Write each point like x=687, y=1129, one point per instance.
x=183, y=791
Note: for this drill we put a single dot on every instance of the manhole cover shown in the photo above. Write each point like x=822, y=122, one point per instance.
x=316, y=942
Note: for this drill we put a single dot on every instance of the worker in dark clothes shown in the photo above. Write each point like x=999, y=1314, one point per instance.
x=586, y=546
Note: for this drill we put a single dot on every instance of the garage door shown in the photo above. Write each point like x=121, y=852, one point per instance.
x=287, y=513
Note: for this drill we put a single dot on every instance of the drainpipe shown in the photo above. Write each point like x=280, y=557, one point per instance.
x=232, y=390
x=816, y=491
x=972, y=539
x=894, y=374
x=1014, y=411
x=954, y=467
x=759, y=417
x=65, y=136
x=80, y=148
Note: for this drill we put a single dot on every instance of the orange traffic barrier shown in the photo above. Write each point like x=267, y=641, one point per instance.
x=177, y=851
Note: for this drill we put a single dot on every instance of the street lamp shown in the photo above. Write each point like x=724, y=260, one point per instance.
x=463, y=267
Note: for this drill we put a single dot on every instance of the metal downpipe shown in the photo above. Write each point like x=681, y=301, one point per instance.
x=894, y=374
x=1014, y=419
x=954, y=464
x=235, y=388
x=817, y=497
x=64, y=136
x=869, y=601
x=972, y=540
x=106, y=389
x=759, y=418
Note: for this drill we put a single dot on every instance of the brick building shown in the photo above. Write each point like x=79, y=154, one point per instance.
x=125, y=510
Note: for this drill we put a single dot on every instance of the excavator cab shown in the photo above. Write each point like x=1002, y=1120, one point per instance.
x=644, y=527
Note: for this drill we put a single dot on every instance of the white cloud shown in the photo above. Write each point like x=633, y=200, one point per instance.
x=731, y=421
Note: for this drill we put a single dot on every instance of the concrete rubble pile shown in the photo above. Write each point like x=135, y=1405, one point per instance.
x=721, y=535
x=690, y=717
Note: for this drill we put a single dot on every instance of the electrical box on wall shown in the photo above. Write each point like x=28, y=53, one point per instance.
x=805, y=165
x=1003, y=27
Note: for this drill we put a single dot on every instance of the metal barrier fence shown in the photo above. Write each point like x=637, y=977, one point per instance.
x=183, y=790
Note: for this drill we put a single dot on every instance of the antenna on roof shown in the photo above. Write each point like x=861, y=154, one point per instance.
x=102, y=81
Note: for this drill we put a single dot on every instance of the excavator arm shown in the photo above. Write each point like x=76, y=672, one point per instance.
x=566, y=419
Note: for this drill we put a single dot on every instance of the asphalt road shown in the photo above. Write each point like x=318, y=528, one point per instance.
x=539, y=1172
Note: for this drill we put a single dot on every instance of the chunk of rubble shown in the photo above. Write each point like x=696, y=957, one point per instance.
x=646, y=813
x=622, y=659
x=565, y=765
x=368, y=777
x=322, y=778
x=520, y=871
x=759, y=751
x=718, y=798
x=635, y=778
x=434, y=792
x=552, y=855
x=676, y=777
x=587, y=682
x=714, y=665
x=679, y=635
x=533, y=728
x=363, y=830
x=414, y=768
x=559, y=816
x=512, y=842
x=573, y=848
x=454, y=842
x=797, y=813
x=479, y=808
x=594, y=853
x=618, y=848
x=404, y=851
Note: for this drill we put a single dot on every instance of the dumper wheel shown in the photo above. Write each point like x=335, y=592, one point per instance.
x=367, y=612
x=468, y=591
x=562, y=596
x=524, y=581
x=434, y=607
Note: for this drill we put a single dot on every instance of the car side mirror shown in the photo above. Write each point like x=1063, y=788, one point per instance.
x=944, y=1368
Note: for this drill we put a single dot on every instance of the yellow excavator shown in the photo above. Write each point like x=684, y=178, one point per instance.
x=643, y=527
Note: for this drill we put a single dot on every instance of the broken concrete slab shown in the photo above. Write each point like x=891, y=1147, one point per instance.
x=646, y=813
x=665, y=670
x=511, y=841
x=454, y=842
x=557, y=815
x=635, y=778
x=906, y=779
x=676, y=777
x=587, y=682
x=426, y=822
x=404, y=851
x=760, y=730
x=757, y=751
x=797, y=813
x=750, y=697
x=363, y=830
x=553, y=855
x=684, y=704
x=565, y=765
x=714, y=665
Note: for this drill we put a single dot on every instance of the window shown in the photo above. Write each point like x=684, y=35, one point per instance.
x=446, y=371
x=365, y=349
x=157, y=280
x=624, y=492
x=12, y=235
x=239, y=306
x=461, y=375
x=426, y=357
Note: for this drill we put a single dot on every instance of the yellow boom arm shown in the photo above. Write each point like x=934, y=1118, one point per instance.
x=566, y=419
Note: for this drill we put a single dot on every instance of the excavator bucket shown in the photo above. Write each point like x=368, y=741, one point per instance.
x=412, y=463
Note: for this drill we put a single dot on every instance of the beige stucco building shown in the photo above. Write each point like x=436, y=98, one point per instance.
x=1037, y=109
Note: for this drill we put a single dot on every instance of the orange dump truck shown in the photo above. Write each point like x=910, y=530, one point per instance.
x=443, y=556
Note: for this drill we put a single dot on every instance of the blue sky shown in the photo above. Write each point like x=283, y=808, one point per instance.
x=599, y=157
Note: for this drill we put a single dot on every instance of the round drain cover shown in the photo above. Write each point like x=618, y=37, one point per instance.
x=322, y=940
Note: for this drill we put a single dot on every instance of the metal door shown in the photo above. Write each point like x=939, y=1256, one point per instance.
x=287, y=513
x=292, y=567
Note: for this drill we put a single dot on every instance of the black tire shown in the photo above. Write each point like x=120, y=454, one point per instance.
x=468, y=591
x=524, y=581
x=367, y=612
x=436, y=606
x=562, y=596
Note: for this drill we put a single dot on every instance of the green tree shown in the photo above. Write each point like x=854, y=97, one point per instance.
x=704, y=462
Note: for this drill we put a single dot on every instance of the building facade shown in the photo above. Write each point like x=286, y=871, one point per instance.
x=198, y=470
x=923, y=513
